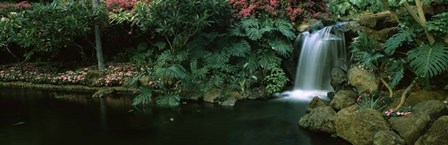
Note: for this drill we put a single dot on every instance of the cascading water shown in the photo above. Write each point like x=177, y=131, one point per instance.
x=320, y=52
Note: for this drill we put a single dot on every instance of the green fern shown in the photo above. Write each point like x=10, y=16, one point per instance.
x=429, y=61
x=439, y=23
x=174, y=71
x=276, y=80
x=365, y=51
x=395, y=71
x=281, y=46
x=170, y=99
x=397, y=40
x=285, y=28
x=240, y=48
x=267, y=60
x=144, y=98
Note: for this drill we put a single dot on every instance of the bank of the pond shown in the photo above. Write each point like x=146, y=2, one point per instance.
x=70, y=88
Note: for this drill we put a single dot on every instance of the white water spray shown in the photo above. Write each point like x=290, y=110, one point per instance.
x=320, y=52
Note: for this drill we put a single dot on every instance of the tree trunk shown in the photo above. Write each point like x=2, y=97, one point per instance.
x=98, y=47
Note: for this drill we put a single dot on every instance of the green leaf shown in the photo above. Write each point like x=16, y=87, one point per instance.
x=144, y=98
x=168, y=100
x=281, y=46
x=397, y=40
x=395, y=71
x=429, y=61
x=286, y=28
x=240, y=48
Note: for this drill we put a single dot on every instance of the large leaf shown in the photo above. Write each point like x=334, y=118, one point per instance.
x=144, y=97
x=281, y=46
x=168, y=100
x=395, y=71
x=396, y=41
x=429, y=61
x=286, y=28
x=240, y=48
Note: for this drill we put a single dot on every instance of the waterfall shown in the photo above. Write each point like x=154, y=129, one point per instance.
x=320, y=52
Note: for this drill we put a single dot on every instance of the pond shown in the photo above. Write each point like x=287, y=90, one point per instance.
x=36, y=117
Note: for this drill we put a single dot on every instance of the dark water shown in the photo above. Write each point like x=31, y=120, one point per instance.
x=33, y=117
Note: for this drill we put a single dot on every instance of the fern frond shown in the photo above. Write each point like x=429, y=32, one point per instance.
x=173, y=71
x=285, y=28
x=267, y=60
x=251, y=63
x=144, y=97
x=237, y=30
x=240, y=48
x=395, y=71
x=397, y=40
x=439, y=23
x=281, y=46
x=170, y=99
x=429, y=61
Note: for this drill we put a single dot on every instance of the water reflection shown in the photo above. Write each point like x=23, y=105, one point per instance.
x=72, y=119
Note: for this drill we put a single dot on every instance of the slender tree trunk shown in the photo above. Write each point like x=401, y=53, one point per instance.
x=98, y=47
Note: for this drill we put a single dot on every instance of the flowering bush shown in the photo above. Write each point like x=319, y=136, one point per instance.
x=293, y=9
x=115, y=74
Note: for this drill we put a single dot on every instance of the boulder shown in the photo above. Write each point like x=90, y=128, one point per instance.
x=433, y=108
x=343, y=99
x=387, y=138
x=230, y=102
x=364, y=80
x=378, y=20
x=359, y=127
x=212, y=95
x=319, y=119
x=437, y=134
x=144, y=81
x=338, y=78
x=410, y=127
x=315, y=102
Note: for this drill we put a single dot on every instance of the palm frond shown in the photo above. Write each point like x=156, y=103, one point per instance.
x=429, y=61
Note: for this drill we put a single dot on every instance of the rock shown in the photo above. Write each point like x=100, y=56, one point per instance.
x=144, y=81
x=433, y=108
x=359, y=127
x=103, y=93
x=363, y=79
x=387, y=138
x=212, y=95
x=342, y=99
x=410, y=127
x=380, y=35
x=338, y=78
x=230, y=102
x=315, y=102
x=436, y=135
x=378, y=20
x=310, y=25
x=319, y=119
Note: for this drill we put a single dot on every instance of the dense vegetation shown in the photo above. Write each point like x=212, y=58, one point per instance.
x=196, y=46
x=192, y=47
